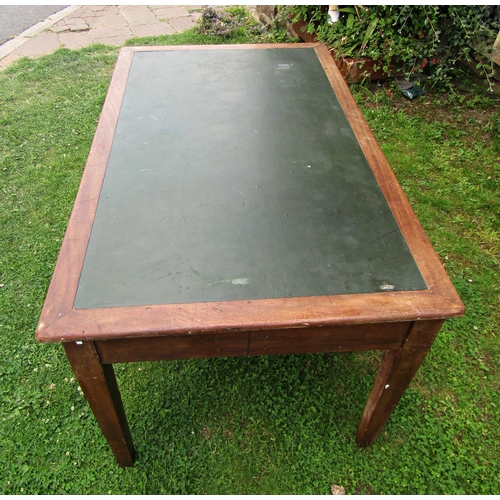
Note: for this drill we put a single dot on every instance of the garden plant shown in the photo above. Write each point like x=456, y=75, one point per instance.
x=415, y=40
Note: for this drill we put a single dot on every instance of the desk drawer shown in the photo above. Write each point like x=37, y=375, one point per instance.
x=286, y=341
x=201, y=345
x=329, y=339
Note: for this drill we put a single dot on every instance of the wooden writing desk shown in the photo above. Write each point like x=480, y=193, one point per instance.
x=235, y=203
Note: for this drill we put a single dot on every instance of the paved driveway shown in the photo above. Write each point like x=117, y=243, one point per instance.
x=14, y=19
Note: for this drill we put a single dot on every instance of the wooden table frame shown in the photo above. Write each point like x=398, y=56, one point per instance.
x=403, y=324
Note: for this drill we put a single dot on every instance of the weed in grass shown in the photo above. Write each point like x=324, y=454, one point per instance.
x=282, y=424
x=229, y=23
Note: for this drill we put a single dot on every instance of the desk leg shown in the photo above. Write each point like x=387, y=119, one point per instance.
x=395, y=373
x=98, y=383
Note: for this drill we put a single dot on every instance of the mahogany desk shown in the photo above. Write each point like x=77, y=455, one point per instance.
x=235, y=203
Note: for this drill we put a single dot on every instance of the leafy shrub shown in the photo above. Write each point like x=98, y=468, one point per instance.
x=408, y=39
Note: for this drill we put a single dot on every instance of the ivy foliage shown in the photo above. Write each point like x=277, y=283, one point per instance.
x=409, y=40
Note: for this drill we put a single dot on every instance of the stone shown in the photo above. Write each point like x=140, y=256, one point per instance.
x=113, y=21
x=95, y=22
x=171, y=12
x=74, y=40
x=182, y=23
x=195, y=16
x=138, y=15
x=337, y=490
x=44, y=43
x=111, y=40
x=100, y=33
x=115, y=36
x=90, y=11
x=77, y=25
x=59, y=27
x=8, y=60
x=153, y=30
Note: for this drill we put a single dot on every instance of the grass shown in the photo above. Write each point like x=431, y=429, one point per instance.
x=278, y=424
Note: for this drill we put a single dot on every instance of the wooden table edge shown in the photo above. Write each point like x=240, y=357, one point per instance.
x=59, y=320
x=247, y=315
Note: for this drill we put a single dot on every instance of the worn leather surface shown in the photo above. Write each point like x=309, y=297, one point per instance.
x=234, y=174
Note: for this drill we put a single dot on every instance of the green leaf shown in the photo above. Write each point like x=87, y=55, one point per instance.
x=347, y=10
x=369, y=32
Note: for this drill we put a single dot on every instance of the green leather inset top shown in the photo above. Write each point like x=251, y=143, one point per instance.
x=234, y=174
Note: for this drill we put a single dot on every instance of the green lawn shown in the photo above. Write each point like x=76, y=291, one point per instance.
x=282, y=424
